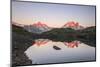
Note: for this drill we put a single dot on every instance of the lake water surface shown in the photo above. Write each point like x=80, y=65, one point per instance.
x=46, y=51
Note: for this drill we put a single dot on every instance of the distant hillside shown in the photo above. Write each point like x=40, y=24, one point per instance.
x=90, y=29
x=20, y=30
x=88, y=34
x=61, y=34
x=23, y=32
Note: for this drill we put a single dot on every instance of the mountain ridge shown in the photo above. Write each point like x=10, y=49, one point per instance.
x=40, y=27
x=73, y=25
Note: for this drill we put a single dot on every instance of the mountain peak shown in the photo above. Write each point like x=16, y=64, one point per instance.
x=73, y=24
x=37, y=27
x=40, y=24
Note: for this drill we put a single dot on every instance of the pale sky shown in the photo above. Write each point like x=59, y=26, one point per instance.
x=54, y=15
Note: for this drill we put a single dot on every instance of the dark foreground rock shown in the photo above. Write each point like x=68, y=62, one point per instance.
x=20, y=44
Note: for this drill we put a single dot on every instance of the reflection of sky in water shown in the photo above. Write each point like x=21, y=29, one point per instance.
x=42, y=54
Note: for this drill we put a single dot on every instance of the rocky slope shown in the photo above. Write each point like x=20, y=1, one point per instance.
x=20, y=43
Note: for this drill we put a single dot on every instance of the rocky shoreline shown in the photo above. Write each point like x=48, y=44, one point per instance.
x=20, y=44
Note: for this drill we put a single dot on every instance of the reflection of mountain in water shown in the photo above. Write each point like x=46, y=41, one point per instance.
x=72, y=44
x=48, y=51
x=40, y=42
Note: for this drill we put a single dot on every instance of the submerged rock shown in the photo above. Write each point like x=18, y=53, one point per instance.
x=56, y=48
